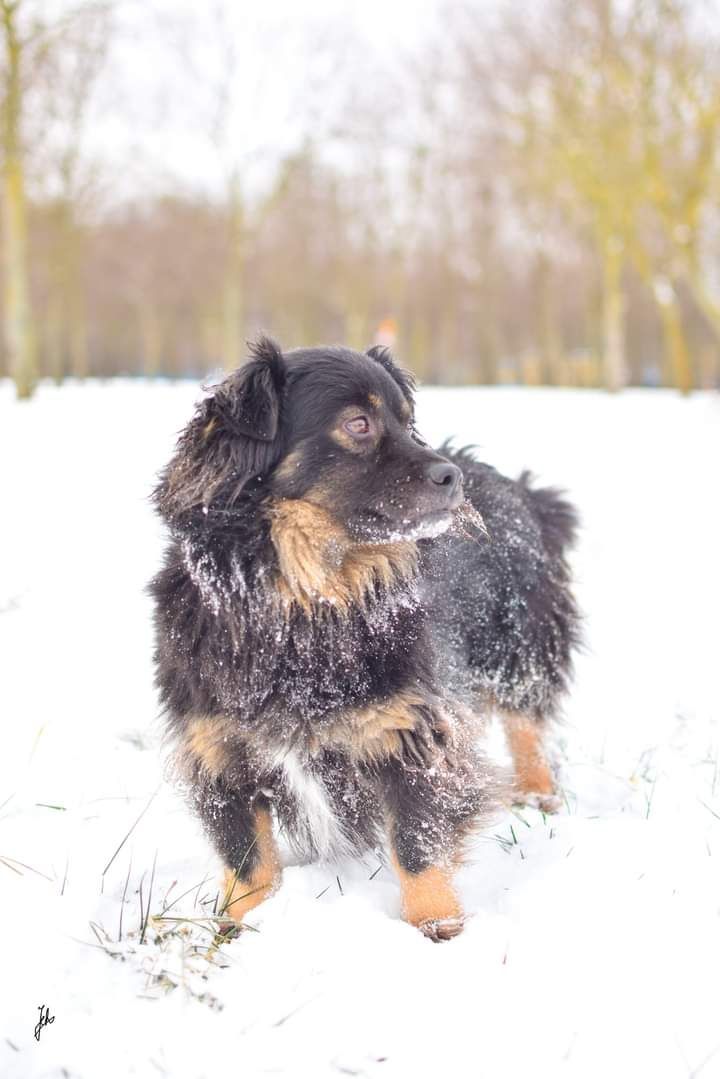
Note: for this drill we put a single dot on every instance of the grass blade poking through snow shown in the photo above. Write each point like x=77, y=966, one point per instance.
x=147, y=912
x=127, y=835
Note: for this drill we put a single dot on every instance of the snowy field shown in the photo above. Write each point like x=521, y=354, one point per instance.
x=594, y=945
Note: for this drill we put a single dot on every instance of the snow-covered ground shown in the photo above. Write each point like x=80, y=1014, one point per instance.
x=594, y=946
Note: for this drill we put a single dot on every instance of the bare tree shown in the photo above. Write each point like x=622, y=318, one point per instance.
x=34, y=46
x=73, y=57
x=18, y=320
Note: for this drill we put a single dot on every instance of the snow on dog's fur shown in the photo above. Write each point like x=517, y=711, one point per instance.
x=330, y=635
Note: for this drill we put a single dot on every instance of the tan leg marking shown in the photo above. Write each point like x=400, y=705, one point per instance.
x=207, y=743
x=430, y=902
x=242, y=892
x=532, y=772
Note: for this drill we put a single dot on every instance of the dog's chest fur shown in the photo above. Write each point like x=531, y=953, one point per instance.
x=244, y=635
x=282, y=657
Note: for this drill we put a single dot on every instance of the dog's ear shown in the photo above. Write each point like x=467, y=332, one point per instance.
x=405, y=380
x=248, y=401
x=233, y=438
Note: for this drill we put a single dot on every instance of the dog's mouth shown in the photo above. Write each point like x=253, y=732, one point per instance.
x=379, y=528
x=428, y=526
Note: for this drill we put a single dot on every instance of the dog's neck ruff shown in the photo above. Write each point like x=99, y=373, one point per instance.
x=320, y=566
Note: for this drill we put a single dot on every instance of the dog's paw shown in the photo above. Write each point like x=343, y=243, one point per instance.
x=546, y=803
x=439, y=929
x=228, y=929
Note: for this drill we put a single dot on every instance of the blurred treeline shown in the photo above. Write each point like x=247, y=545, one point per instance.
x=527, y=194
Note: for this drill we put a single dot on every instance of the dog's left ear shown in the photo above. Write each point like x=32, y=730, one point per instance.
x=248, y=401
x=233, y=438
x=405, y=380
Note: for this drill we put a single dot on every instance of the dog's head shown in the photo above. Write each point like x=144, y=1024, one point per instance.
x=328, y=426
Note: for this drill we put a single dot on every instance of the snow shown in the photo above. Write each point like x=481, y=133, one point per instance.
x=594, y=942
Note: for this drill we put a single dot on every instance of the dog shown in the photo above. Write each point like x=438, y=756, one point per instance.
x=339, y=608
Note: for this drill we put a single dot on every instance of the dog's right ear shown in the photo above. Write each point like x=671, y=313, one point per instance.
x=234, y=437
x=404, y=379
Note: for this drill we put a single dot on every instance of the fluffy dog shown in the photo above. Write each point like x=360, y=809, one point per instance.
x=333, y=622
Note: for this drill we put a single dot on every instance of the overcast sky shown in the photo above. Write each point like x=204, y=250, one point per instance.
x=158, y=114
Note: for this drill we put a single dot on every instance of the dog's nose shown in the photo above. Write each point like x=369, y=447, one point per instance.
x=445, y=475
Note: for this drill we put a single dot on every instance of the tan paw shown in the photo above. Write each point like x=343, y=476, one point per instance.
x=548, y=802
x=228, y=929
x=439, y=929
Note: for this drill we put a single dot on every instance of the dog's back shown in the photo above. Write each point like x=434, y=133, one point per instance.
x=504, y=618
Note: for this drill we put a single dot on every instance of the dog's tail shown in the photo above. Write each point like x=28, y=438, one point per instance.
x=557, y=517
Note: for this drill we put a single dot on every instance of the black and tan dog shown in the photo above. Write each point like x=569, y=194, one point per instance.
x=332, y=625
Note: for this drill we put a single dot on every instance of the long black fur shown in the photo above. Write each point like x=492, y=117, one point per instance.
x=485, y=621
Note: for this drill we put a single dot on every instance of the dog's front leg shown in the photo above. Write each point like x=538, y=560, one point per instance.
x=234, y=813
x=429, y=812
x=429, y=900
x=239, y=823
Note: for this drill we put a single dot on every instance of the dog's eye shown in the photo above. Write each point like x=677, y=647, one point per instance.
x=358, y=425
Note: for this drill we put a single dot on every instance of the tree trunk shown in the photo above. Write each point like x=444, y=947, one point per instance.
x=613, y=317
x=66, y=330
x=77, y=334
x=232, y=294
x=77, y=337
x=548, y=331
x=709, y=376
x=490, y=352
x=357, y=328
x=18, y=323
x=53, y=338
x=678, y=363
x=707, y=303
x=151, y=336
x=419, y=347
